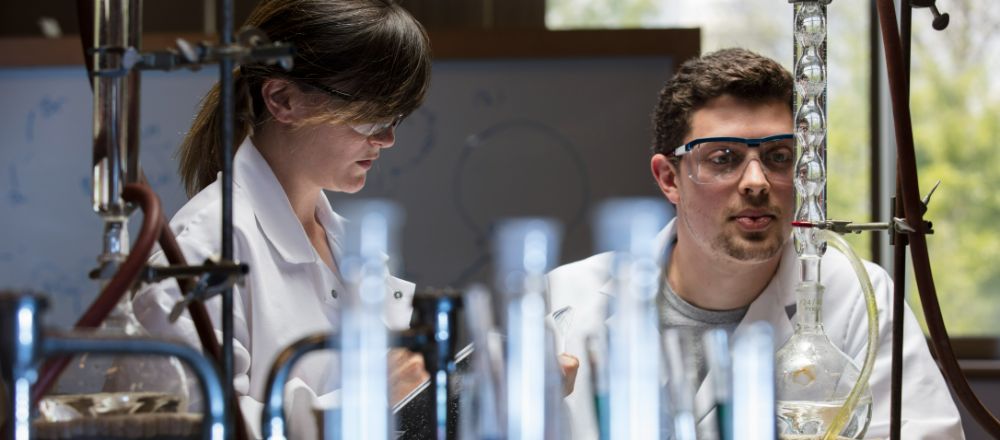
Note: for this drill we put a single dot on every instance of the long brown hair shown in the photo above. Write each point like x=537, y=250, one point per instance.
x=371, y=49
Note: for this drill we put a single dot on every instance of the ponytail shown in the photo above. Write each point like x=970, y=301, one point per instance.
x=200, y=155
x=373, y=49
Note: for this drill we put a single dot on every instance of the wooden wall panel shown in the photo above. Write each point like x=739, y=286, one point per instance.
x=681, y=44
x=20, y=18
x=478, y=14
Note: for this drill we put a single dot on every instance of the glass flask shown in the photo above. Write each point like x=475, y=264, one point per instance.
x=121, y=396
x=814, y=377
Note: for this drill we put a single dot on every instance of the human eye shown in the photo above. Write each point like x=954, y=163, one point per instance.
x=720, y=155
x=780, y=155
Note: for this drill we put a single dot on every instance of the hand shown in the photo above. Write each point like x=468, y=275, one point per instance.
x=569, y=364
x=406, y=372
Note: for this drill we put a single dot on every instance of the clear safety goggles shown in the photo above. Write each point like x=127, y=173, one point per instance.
x=367, y=129
x=370, y=129
x=723, y=159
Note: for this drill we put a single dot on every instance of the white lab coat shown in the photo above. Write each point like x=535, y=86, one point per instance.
x=288, y=294
x=928, y=410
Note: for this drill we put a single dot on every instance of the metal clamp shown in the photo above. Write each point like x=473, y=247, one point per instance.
x=213, y=278
x=897, y=225
x=252, y=47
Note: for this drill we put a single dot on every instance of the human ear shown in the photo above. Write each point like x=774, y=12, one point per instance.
x=666, y=173
x=281, y=98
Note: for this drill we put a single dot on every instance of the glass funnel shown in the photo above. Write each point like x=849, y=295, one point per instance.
x=814, y=377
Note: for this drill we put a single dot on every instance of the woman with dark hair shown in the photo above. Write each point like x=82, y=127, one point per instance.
x=360, y=67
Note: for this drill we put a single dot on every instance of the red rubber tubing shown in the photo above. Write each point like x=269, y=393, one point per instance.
x=907, y=168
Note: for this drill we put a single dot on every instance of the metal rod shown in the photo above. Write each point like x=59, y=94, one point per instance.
x=898, y=301
x=444, y=364
x=272, y=422
x=20, y=337
x=213, y=426
x=875, y=129
x=437, y=315
x=227, y=110
x=899, y=255
x=273, y=425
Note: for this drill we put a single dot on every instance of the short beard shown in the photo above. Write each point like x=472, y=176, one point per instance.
x=754, y=246
x=762, y=246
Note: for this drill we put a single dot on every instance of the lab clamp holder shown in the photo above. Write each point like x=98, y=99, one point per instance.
x=897, y=228
x=23, y=345
x=432, y=334
x=252, y=46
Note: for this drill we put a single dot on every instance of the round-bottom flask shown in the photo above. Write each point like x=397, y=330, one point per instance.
x=814, y=377
x=120, y=397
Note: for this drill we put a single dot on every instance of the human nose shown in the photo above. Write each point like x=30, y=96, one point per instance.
x=754, y=181
x=384, y=139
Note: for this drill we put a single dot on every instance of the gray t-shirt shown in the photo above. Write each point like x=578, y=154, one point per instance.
x=675, y=312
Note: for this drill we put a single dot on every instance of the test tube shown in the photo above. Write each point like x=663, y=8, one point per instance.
x=753, y=383
x=524, y=250
x=629, y=227
x=486, y=377
x=369, y=238
x=682, y=368
x=719, y=361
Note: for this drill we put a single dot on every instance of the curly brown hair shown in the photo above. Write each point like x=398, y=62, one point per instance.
x=736, y=72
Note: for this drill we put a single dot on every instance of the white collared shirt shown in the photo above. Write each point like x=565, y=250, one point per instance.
x=928, y=409
x=289, y=293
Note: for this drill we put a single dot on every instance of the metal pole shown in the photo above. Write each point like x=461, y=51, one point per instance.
x=272, y=423
x=899, y=258
x=20, y=337
x=227, y=110
x=898, y=300
x=875, y=130
x=444, y=363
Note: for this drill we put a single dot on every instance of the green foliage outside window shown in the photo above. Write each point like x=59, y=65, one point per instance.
x=955, y=102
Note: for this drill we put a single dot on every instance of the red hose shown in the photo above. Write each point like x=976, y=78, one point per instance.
x=199, y=315
x=127, y=273
x=912, y=205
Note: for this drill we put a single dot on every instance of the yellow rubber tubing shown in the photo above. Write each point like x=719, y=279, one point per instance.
x=844, y=415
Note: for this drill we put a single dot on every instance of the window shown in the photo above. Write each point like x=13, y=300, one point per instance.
x=956, y=115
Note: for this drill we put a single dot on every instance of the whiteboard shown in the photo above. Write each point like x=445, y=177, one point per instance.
x=495, y=139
